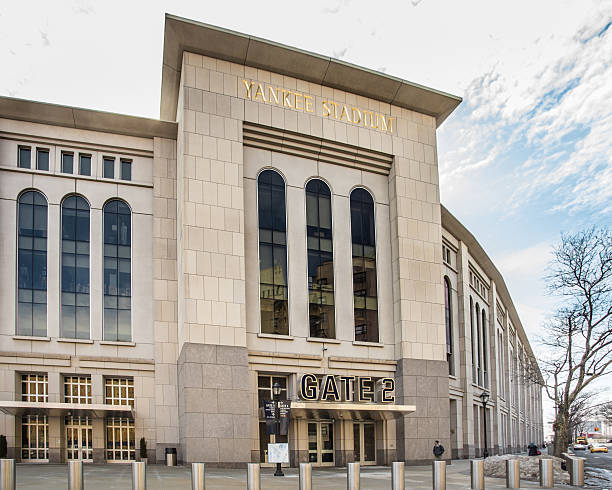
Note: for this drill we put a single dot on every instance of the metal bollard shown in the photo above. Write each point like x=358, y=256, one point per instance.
x=352, y=476
x=477, y=472
x=438, y=469
x=139, y=475
x=305, y=476
x=198, y=476
x=397, y=475
x=577, y=472
x=75, y=475
x=513, y=473
x=7, y=474
x=253, y=477
x=546, y=473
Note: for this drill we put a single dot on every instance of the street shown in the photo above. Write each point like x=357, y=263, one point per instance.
x=598, y=469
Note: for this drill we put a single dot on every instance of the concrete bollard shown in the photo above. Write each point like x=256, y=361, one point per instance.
x=438, y=473
x=7, y=474
x=513, y=473
x=546, y=473
x=253, y=477
x=198, y=476
x=75, y=475
x=352, y=476
x=305, y=476
x=139, y=475
x=477, y=474
x=397, y=475
x=576, y=471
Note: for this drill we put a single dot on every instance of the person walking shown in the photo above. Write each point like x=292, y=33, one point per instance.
x=533, y=449
x=438, y=450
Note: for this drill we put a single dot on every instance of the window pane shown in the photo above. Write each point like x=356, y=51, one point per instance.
x=24, y=157
x=67, y=163
x=85, y=164
x=42, y=159
x=126, y=170
x=109, y=168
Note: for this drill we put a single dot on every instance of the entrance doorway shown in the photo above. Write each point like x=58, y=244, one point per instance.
x=321, y=443
x=364, y=436
x=79, y=439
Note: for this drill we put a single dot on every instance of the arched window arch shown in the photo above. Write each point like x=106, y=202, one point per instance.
x=321, y=310
x=75, y=268
x=485, y=374
x=448, y=317
x=363, y=237
x=273, y=292
x=117, y=271
x=32, y=264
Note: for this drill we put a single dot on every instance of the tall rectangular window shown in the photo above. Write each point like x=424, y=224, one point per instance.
x=273, y=292
x=117, y=271
x=321, y=310
x=126, y=169
x=67, y=163
x=109, y=168
x=84, y=164
x=42, y=159
x=75, y=268
x=32, y=265
x=25, y=156
x=363, y=237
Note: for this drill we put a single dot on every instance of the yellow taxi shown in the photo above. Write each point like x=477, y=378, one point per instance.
x=599, y=448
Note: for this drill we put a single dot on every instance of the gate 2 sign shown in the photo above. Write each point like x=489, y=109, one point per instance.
x=347, y=388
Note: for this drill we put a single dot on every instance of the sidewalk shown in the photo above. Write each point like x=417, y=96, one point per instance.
x=159, y=477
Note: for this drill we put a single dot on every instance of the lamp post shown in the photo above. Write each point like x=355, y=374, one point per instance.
x=276, y=391
x=484, y=396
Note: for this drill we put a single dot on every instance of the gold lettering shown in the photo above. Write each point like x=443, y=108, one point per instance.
x=260, y=93
x=356, y=120
x=373, y=121
x=298, y=96
x=345, y=113
x=247, y=86
x=308, y=103
x=335, y=109
x=327, y=109
x=272, y=94
x=383, y=122
x=390, y=124
x=286, y=99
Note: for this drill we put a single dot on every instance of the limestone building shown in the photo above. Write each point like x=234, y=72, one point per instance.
x=280, y=224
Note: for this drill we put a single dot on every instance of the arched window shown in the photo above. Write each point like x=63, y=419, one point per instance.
x=32, y=265
x=485, y=374
x=117, y=271
x=449, y=326
x=273, y=292
x=320, y=260
x=75, y=268
x=364, y=266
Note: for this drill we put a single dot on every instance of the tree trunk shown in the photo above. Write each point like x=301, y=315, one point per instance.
x=563, y=433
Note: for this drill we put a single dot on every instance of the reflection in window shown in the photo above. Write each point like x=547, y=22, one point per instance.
x=449, y=325
x=272, y=254
x=364, y=266
x=32, y=265
x=75, y=268
x=117, y=271
x=320, y=260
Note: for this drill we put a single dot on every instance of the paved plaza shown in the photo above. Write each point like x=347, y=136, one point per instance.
x=159, y=477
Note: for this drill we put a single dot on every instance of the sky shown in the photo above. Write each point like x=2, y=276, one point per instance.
x=525, y=157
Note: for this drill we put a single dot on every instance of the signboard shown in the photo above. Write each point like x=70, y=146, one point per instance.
x=347, y=389
x=284, y=409
x=270, y=418
x=278, y=453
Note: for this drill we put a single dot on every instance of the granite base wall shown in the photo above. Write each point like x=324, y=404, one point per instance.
x=214, y=405
x=424, y=384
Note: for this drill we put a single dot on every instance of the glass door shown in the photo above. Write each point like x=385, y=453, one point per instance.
x=364, y=437
x=321, y=443
x=79, y=439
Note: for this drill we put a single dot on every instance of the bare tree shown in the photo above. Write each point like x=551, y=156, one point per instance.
x=606, y=412
x=577, y=346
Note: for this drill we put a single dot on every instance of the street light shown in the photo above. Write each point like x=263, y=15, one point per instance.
x=484, y=396
x=276, y=391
